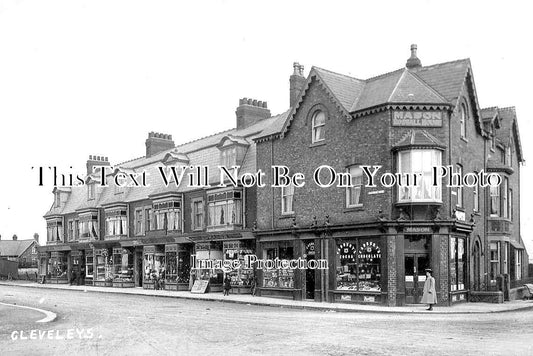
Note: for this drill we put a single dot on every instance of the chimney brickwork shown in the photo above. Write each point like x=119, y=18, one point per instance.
x=250, y=111
x=296, y=82
x=413, y=61
x=158, y=142
x=95, y=161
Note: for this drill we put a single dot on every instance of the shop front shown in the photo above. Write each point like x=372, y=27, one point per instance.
x=77, y=276
x=103, y=267
x=242, y=278
x=59, y=267
x=153, y=266
x=178, y=267
x=205, y=253
x=123, y=267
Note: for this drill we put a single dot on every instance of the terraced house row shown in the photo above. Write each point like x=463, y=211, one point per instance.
x=377, y=240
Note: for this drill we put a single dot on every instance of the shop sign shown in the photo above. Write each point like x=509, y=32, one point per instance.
x=369, y=299
x=460, y=215
x=200, y=286
x=417, y=118
x=346, y=251
x=369, y=250
x=310, y=248
x=417, y=230
x=346, y=297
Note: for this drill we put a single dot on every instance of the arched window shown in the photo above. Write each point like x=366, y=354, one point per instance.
x=319, y=121
x=463, y=116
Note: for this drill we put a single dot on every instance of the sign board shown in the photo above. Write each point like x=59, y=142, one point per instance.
x=417, y=230
x=346, y=297
x=417, y=118
x=199, y=286
x=460, y=215
x=369, y=299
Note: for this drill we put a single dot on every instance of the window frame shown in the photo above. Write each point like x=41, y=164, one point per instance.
x=351, y=190
x=284, y=195
x=315, y=127
x=463, y=118
x=435, y=192
x=460, y=190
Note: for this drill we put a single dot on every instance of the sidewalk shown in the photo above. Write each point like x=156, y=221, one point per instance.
x=462, y=308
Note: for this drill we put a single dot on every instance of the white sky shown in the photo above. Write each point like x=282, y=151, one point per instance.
x=94, y=77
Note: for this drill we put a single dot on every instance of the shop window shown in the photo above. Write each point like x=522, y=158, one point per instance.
x=177, y=265
x=494, y=200
x=318, y=123
x=518, y=264
x=198, y=214
x=353, y=193
x=457, y=264
x=494, y=261
x=103, y=265
x=167, y=215
x=358, y=265
x=122, y=265
x=237, y=250
x=463, y=119
x=505, y=201
x=154, y=265
x=116, y=222
x=89, y=264
x=59, y=265
x=278, y=278
x=420, y=162
x=287, y=198
x=224, y=209
x=139, y=222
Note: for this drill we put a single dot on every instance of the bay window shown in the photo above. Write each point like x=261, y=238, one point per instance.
x=167, y=215
x=505, y=202
x=494, y=261
x=116, y=222
x=224, y=209
x=54, y=231
x=494, y=200
x=459, y=190
x=419, y=162
x=88, y=225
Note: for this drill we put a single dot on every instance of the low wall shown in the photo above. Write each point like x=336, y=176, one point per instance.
x=8, y=268
x=486, y=297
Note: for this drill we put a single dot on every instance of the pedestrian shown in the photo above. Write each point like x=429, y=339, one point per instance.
x=430, y=296
x=253, y=286
x=227, y=285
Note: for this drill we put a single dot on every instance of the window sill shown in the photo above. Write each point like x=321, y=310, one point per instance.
x=317, y=144
x=464, y=139
x=353, y=208
x=419, y=202
x=287, y=216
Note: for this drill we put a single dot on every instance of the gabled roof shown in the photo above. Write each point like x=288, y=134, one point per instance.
x=509, y=128
x=14, y=247
x=439, y=85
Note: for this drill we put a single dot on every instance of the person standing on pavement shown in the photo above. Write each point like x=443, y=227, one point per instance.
x=227, y=285
x=430, y=296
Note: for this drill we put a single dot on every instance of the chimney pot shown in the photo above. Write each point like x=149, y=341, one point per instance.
x=413, y=61
x=296, y=83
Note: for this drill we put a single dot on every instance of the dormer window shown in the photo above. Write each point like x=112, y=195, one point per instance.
x=318, y=124
x=91, y=191
x=228, y=157
x=232, y=150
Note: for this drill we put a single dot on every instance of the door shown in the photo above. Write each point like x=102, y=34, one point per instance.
x=415, y=276
x=310, y=273
x=138, y=271
x=477, y=259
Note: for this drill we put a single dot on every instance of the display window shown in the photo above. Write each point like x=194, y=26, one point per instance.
x=122, y=265
x=237, y=250
x=209, y=251
x=103, y=265
x=359, y=265
x=279, y=278
x=457, y=264
x=89, y=264
x=59, y=265
x=154, y=264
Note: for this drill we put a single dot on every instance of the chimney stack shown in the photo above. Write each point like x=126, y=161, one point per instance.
x=15, y=237
x=95, y=161
x=413, y=61
x=36, y=237
x=251, y=111
x=158, y=142
x=296, y=82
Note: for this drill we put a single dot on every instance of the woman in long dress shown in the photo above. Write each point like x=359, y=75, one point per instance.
x=430, y=296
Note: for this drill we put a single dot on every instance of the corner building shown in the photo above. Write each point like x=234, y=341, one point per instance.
x=377, y=241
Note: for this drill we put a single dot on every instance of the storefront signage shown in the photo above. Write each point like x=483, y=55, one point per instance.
x=369, y=250
x=417, y=118
x=369, y=299
x=346, y=297
x=346, y=251
x=417, y=230
x=199, y=286
x=460, y=215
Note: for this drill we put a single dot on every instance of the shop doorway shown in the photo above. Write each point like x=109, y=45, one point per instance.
x=477, y=266
x=415, y=276
x=139, y=268
x=310, y=273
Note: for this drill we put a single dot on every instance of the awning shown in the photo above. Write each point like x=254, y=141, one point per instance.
x=161, y=240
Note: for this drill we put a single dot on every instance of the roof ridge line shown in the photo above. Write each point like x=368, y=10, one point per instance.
x=467, y=59
x=341, y=74
x=382, y=75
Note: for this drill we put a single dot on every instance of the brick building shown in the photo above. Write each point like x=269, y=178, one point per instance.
x=377, y=241
x=22, y=251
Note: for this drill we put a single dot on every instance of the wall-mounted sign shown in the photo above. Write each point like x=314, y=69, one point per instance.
x=369, y=250
x=417, y=230
x=369, y=299
x=346, y=251
x=417, y=118
x=460, y=215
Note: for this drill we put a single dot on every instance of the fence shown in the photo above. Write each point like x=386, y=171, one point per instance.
x=8, y=269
